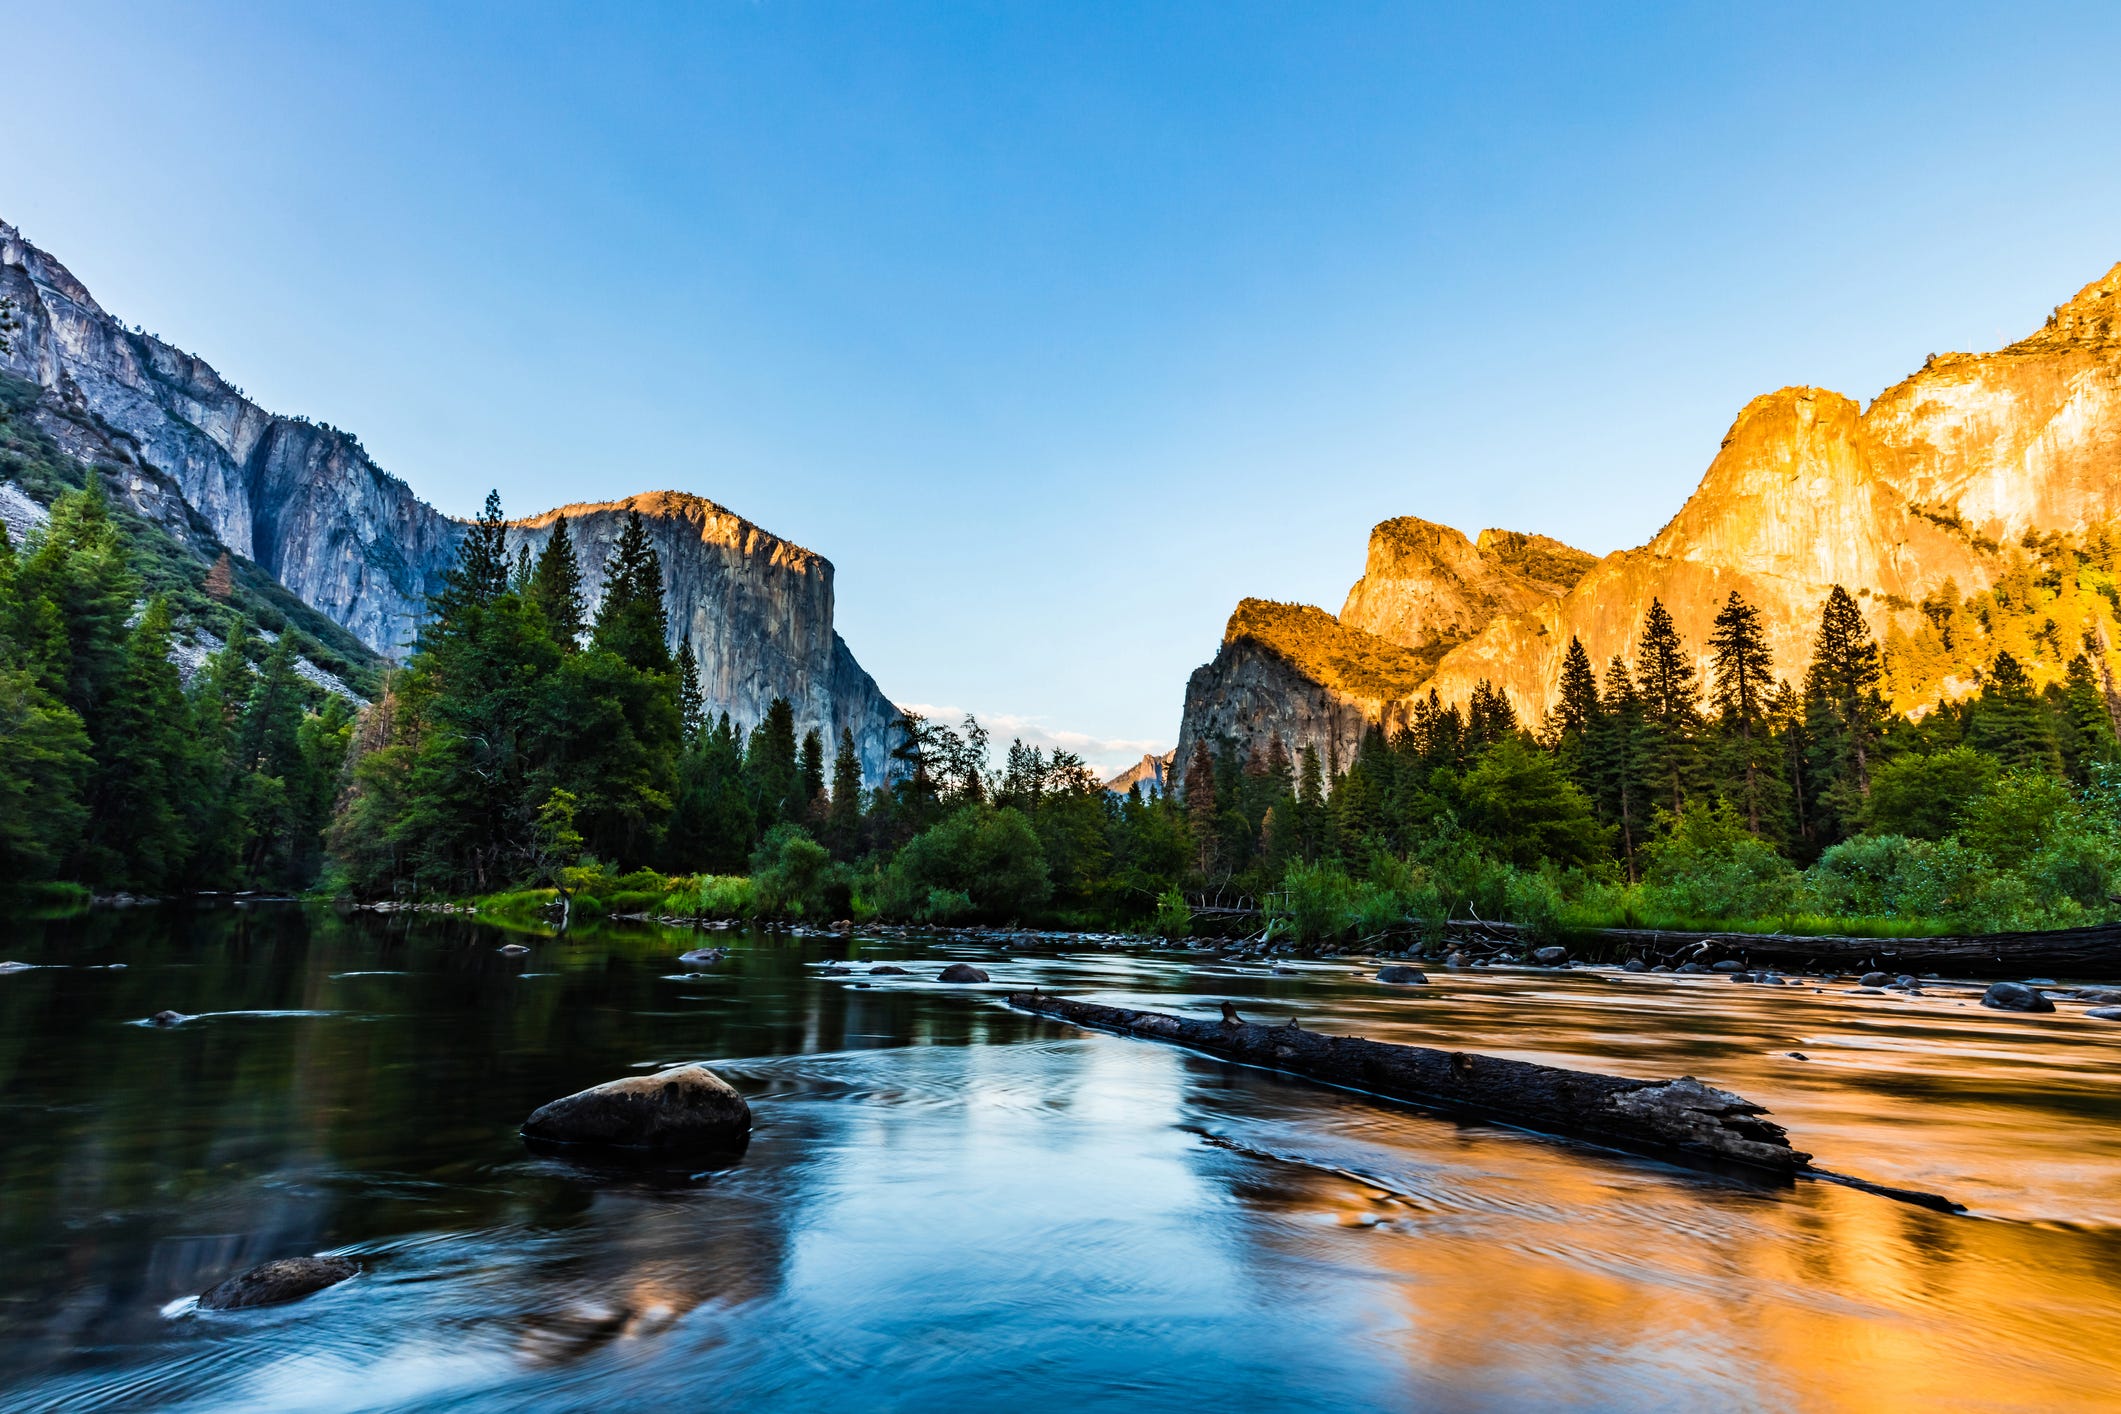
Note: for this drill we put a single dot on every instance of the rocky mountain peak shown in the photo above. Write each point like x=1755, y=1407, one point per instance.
x=1426, y=587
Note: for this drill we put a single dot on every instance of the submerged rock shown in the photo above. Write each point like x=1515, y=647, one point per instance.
x=686, y=1107
x=511, y=950
x=12, y=966
x=169, y=1018
x=275, y=1283
x=961, y=972
x=2015, y=996
x=2105, y=1013
x=1874, y=979
x=703, y=957
x=1634, y=964
x=1727, y=965
x=885, y=969
x=1550, y=957
x=1401, y=976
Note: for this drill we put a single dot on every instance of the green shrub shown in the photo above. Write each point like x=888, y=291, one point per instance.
x=793, y=875
x=724, y=896
x=1926, y=797
x=991, y=857
x=1173, y=919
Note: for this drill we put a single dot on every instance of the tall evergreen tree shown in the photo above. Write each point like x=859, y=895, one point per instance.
x=812, y=770
x=773, y=769
x=1844, y=716
x=480, y=574
x=692, y=703
x=1671, y=703
x=844, y=821
x=1621, y=747
x=1743, y=685
x=136, y=837
x=1201, y=806
x=2084, y=728
x=556, y=588
x=632, y=620
x=2009, y=722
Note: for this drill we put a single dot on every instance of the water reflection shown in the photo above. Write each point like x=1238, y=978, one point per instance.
x=948, y=1205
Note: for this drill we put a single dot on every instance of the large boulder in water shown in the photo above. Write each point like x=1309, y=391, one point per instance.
x=2015, y=996
x=961, y=972
x=274, y=1283
x=686, y=1107
x=1401, y=976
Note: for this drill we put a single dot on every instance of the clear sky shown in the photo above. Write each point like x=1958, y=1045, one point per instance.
x=1060, y=327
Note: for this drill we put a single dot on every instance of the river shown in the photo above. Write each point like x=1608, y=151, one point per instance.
x=946, y=1205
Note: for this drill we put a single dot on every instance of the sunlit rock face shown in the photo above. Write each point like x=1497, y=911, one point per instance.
x=1940, y=478
x=1428, y=588
x=308, y=505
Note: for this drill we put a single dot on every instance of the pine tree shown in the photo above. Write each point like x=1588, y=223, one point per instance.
x=692, y=703
x=519, y=584
x=2009, y=722
x=480, y=574
x=772, y=768
x=844, y=820
x=1844, y=716
x=1671, y=701
x=1743, y=685
x=812, y=770
x=1200, y=806
x=1622, y=759
x=2083, y=727
x=556, y=588
x=136, y=838
x=1575, y=718
x=632, y=621
x=1489, y=717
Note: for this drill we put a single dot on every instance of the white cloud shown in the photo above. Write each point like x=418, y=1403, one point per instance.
x=1107, y=756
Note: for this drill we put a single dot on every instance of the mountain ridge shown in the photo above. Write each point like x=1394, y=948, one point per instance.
x=307, y=504
x=1972, y=472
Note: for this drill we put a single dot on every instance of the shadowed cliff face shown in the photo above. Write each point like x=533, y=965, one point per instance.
x=306, y=503
x=757, y=609
x=1940, y=478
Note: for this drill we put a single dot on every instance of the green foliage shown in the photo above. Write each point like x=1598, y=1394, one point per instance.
x=990, y=855
x=792, y=875
x=1517, y=799
x=1173, y=918
x=1707, y=864
x=1926, y=796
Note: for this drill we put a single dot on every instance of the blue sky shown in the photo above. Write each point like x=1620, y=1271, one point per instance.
x=1059, y=328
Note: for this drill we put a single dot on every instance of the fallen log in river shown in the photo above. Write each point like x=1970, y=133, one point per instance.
x=1666, y=1119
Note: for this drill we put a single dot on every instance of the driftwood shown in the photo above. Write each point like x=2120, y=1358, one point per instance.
x=1673, y=1118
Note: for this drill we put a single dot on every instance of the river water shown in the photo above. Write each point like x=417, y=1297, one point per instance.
x=946, y=1205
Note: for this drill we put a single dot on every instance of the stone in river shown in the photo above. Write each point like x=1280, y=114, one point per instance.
x=1873, y=979
x=2015, y=996
x=1727, y=965
x=1550, y=957
x=885, y=969
x=511, y=950
x=685, y=1107
x=1400, y=976
x=274, y=1283
x=703, y=957
x=15, y=966
x=2039, y=981
x=1692, y=967
x=169, y=1018
x=1635, y=964
x=961, y=972
x=2105, y=1013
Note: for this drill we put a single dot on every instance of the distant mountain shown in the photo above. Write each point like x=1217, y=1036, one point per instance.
x=1149, y=773
x=306, y=504
x=1973, y=508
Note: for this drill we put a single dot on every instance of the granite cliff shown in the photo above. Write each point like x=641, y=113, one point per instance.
x=306, y=504
x=1975, y=473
